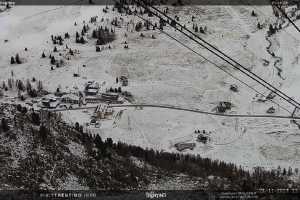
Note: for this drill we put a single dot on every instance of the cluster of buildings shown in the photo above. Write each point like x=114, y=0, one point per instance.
x=51, y=101
x=90, y=94
x=203, y=136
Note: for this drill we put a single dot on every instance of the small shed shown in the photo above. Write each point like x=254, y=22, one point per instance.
x=110, y=96
x=49, y=101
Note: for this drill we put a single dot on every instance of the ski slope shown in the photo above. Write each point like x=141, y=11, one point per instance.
x=161, y=71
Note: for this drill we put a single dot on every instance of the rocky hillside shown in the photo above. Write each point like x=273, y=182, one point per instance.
x=40, y=151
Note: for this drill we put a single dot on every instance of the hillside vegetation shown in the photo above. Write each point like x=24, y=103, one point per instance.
x=40, y=151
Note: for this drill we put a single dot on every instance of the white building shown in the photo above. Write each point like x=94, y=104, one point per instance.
x=49, y=101
x=91, y=88
x=70, y=98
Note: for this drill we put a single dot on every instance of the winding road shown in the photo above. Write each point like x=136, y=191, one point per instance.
x=182, y=109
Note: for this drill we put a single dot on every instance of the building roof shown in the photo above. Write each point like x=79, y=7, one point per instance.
x=49, y=96
x=70, y=96
x=92, y=85
x=92, y=90
x=53, y=104
x=111, y=94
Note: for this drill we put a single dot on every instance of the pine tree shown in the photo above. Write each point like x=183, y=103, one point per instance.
x=271, y=29
x=4, y=125
x=43, y=133
x=77, y=126
x=19, y=107
x=12, y=60
x=20, y=85
x=35, y=118
x=98, y=49
x=259, y=25
x=201, y=30
x=32, y=93
x=290, y=171
x=40, y=86
x=53, y=61
x=284, y=172
x=109, y=142
x=82, y=41
x=71, y=52
x=94, y=34
x=67, y=35
x=98, y=141
x=10, y=83
x=3, y=85
x=28, y=86
x=18, y=61
x=173, y=23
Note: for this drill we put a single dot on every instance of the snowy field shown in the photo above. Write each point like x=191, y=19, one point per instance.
x=163, y=72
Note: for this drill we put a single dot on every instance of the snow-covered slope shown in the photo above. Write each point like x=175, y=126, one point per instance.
x=163, y=72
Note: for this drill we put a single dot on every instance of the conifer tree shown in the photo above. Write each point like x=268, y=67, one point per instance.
x=4, y=125
x=18, y=61
x=12, y=60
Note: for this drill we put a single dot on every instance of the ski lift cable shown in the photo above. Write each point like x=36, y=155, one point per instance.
x=249, y=74
x=239, y=67
x=216, y=65
x=286, y=16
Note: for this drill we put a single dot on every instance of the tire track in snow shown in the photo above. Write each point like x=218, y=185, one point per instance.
x=182, y=109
